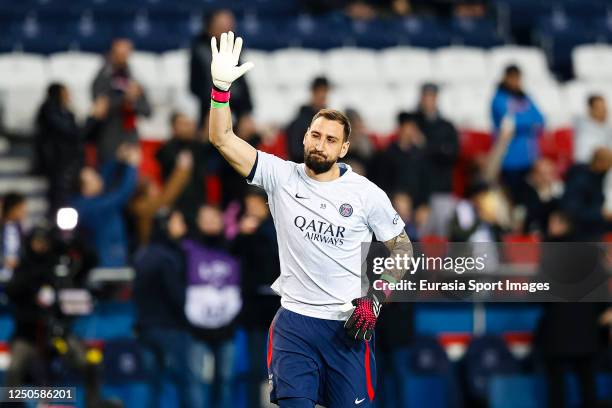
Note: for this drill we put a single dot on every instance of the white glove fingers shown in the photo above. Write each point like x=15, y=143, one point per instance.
x=230, y=42
x=213, y=46
x=237, y=49
x=244, y=68
x=223, y=43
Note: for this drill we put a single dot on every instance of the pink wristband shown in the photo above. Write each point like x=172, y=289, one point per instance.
x=220, y=96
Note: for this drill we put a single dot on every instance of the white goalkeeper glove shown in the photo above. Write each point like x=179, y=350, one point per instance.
x=224, y=67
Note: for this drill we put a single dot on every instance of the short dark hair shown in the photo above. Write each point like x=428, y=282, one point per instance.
x=406, y=117
x=319, y=82
x=335, y=115
x=10, y=201
x=512, y=69
x=593, y=98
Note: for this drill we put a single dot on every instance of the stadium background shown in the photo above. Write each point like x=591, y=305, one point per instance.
x=376, y=62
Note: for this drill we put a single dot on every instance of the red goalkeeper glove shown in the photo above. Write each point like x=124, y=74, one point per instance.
x=360, y=325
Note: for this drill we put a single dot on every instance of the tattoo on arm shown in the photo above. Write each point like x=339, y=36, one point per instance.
x=400, y=245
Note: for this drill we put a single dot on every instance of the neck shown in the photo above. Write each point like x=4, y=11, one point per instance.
x=331, y=174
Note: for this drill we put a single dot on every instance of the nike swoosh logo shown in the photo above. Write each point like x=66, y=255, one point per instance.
x=299, y=196
x=359, y=401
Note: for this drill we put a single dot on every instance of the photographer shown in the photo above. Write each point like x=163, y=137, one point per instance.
x=42, y=292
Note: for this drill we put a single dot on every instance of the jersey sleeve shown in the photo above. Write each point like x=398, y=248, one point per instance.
x=269, y=171
x=383, y=220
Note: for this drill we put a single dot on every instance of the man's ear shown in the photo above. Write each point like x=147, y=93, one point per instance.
x=305, y=134
x=344, y=149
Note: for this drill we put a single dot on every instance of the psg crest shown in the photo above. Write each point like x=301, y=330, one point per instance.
x=346, y=210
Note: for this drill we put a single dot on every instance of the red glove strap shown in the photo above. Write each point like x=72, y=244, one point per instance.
x=220, y=96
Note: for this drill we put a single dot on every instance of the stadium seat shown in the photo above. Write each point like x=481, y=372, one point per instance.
x=264, y=73
x=428, y=356
x=406, y=65
x=547, y=97
x=475, y=32
x=295, y=67
x=575, y=95
x=407, y=96
x=531, y=60
x=263, y=34
x=77, y=71
x=423, y=32
x=460, y=64
x=486, y=357
x=23, y=81
x=468, y=106
x=558, y=35
x=175, y=65
x=511, y=391
x=321, y=33
x=374, y=34
x=351, y=66
x=593, y=62
x=270, y=106
x=147, y=69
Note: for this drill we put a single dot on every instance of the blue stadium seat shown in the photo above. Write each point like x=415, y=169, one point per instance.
x=558, y=35
x=91, y=36
x=6, y=327
x=374, y=34
x=475, y=32
x=326, y=32
x=109, y=321
x=263, y=34
x=511, y=391
x=521, y=16
x=486, y=356
x=432, y=318
x=428, y=357
x=511, y=317
x=585, y=8
x=425, y=32
x=123, y=361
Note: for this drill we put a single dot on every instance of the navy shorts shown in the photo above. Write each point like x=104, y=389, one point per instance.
x=315, y=359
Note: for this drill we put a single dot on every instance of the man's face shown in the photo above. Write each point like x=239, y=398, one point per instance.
x=183, y=128
x=255, y=205
x=408, y=132
x=429, y=102
x=120, y=53
x=91, y=182
x=223, y=22
x=176, y=225
x=324, y=144
x=513, y=81
x=543, y=173
x=210, y=221
x=319, y=97
x=599, y=110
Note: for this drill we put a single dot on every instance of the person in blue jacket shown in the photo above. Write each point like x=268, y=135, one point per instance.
x=510, y=100
x=100, y=204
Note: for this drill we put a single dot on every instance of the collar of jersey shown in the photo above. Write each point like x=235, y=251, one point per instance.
x=347, y=168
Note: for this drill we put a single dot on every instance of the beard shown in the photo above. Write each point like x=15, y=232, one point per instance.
x=317, y=163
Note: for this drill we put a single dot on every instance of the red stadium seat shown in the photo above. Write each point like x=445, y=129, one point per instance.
x=521, y=249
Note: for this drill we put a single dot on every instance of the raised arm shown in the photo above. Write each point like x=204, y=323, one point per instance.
x=225, y=70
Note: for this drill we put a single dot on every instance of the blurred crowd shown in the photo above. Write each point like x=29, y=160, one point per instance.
x=203, y=244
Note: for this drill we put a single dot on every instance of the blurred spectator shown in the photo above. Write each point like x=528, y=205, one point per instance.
x=213, y=304
x=40, y=323
x=319, y=90
x=470, y=8
x=233, y=185
x=510, y=100
x=149, y=198
x=100, y=204
x=403, y=166
x=127, y=101
x=257, y=249
x=570, y=335
x=12, y=216
x=476, y=218
x=442, y=152
x=184, y=138
x=402, y=203
x=60, y=141
x=542, y=194
x=593, y=131
x=361, y=149
x=200, y=81
x=583, y=199
x=159, y=297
